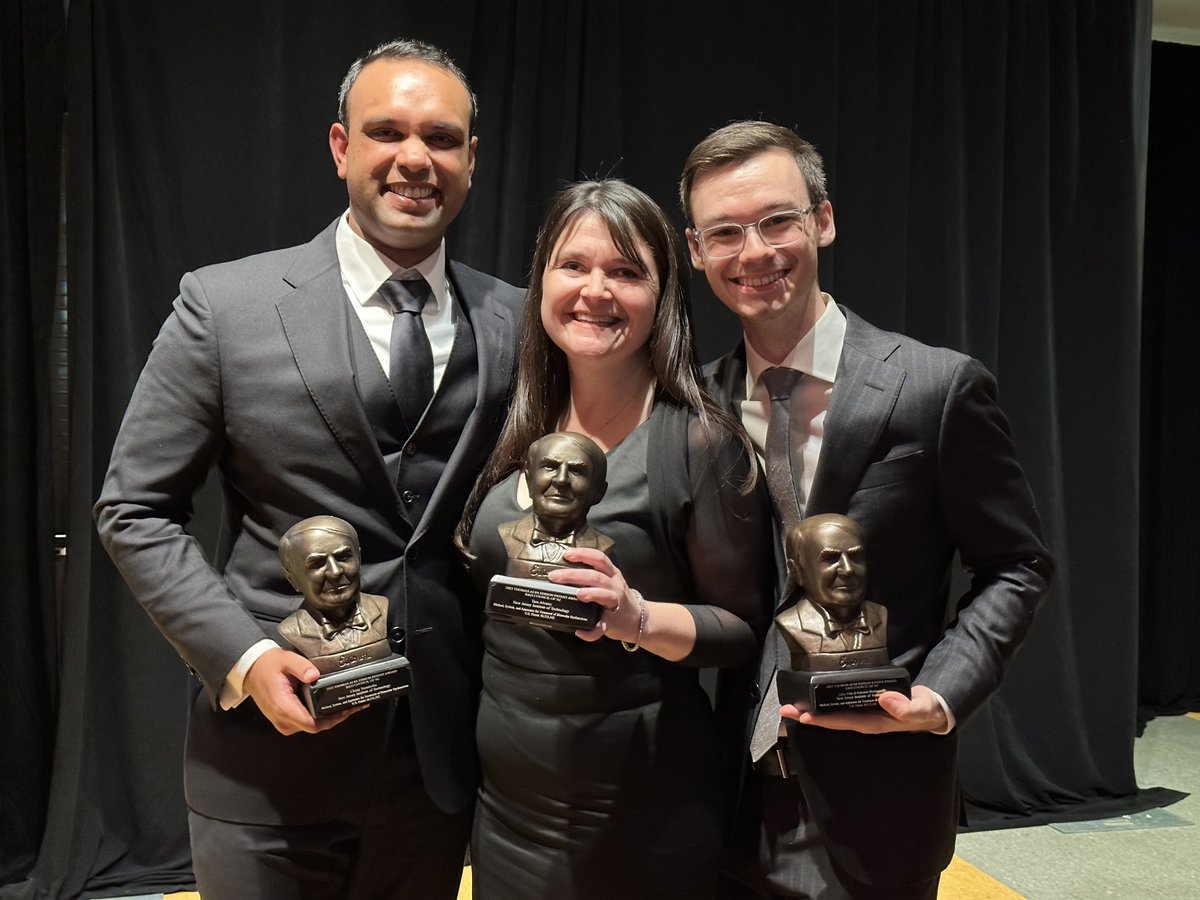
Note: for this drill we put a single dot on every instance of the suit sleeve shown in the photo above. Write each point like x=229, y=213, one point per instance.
x=729, y=552
x=172, y=434
x=990, y=513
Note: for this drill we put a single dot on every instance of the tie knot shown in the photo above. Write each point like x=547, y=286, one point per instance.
x=406, y=295
x=780, y=381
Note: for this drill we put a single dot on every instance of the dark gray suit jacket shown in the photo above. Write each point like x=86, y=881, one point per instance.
x=917, y=451
x=252, y=373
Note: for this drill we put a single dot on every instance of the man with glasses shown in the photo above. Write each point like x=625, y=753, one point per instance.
x=908, y=441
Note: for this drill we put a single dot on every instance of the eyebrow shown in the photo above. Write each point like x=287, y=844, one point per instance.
x=311, y=557
x=767, y=210
x=439, y=125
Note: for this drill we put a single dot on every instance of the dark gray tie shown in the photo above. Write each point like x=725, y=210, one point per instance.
x=766, y=727
x=410, y=360
x=781, y=384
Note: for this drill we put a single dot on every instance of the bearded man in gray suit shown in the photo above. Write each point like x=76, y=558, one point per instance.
x=908, y=441
x=366, y=374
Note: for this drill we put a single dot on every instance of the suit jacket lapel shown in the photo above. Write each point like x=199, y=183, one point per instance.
x=314, y=318
x=863, y=398
x=493, y=327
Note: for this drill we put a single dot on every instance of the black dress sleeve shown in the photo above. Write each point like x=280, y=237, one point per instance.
x=727, y=541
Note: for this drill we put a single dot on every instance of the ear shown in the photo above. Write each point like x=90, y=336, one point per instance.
x=826, y=230
x=694, y=249
x=471, y=145
x=599, y=492
x=292, y=581
x=339, y=140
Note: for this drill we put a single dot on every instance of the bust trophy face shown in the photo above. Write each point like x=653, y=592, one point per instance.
x=566, y=473
x=827, y=558
x=321, y=560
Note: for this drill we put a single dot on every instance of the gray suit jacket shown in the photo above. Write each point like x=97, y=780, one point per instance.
x=917, y=451
x=252, y=373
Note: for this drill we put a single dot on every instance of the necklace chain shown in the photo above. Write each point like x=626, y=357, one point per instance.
x=620, y=409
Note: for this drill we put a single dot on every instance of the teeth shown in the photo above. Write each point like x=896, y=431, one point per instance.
x=595, y=320
x=759, y=280
x=412, y=191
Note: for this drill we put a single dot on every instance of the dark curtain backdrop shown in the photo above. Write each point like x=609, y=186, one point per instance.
x=986, y=165
x=31, y=108
x=1170, y=632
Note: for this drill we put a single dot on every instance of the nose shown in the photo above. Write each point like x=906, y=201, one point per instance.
x=412, y=154
x=845, y=565
x=334, y=568
x=560, y=474
x=754, y=247
x=595, y=285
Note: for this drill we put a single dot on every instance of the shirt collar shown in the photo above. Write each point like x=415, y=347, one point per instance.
x=817, y=353
x=364, y=268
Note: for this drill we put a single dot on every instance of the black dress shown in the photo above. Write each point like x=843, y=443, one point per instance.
x=600, y=766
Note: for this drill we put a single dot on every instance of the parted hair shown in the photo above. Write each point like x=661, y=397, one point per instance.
x=543, y=386
x=738, y=142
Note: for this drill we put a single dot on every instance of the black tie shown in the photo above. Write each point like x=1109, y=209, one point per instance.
x=410, y=365
x=780, y=383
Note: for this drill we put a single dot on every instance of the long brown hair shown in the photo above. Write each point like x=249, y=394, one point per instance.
x=543, y=385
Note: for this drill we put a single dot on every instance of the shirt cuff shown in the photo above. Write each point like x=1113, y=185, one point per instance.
x=950, y=720
x=231, y=691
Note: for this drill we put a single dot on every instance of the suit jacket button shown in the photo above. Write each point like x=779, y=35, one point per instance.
x=410, y=496
x=397, y=635
x=410, y=449
x=413, y=555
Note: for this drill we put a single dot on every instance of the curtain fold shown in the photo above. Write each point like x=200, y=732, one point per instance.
x=986, y=164
x=1170, y=607
x=31, y=110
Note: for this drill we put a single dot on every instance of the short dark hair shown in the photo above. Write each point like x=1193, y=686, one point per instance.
x=738, y=142
x=406, y=50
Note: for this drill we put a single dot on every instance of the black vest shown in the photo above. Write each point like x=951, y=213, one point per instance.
x=416, y=459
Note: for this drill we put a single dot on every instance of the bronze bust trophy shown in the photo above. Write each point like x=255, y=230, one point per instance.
x=566, y=474
x=341, y=630
x=836, y=638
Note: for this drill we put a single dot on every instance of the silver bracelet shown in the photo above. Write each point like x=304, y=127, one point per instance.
x=632, y=648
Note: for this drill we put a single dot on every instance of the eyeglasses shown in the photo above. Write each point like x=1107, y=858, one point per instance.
x=778, y=229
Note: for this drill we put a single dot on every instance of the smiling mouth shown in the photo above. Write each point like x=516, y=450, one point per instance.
x=757, y=281
x=602, y=321
x=412, y=191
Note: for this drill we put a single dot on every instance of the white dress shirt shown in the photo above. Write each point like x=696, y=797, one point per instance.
x=816, y=355
x=363, y=270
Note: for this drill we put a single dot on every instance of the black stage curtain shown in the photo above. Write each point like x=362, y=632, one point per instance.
x=31, y=109
x=1170, y=633
x=986, y=164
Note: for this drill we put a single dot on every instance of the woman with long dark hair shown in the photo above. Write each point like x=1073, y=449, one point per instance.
x=600, y=750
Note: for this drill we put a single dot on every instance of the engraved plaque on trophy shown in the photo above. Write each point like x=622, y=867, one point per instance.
x=837, y=639
x=342, y=631
x=566, y=474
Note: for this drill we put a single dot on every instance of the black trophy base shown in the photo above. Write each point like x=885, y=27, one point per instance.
x=358, y=685
x=822, y=692
x=531, y=601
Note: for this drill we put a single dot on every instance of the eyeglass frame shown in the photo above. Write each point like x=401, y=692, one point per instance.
x=698, y=233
